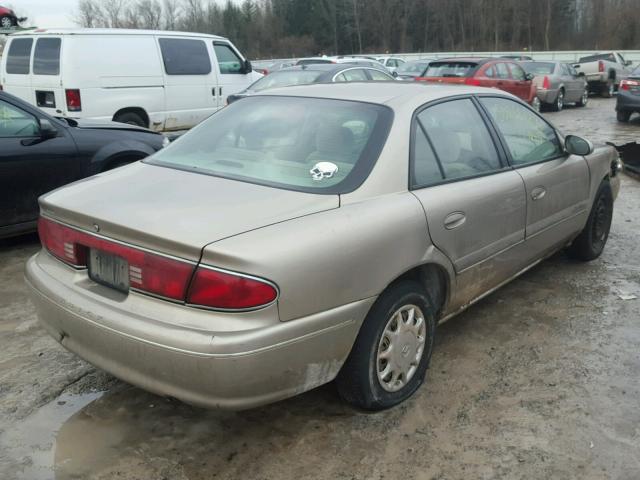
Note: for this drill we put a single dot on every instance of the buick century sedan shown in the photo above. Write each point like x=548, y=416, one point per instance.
x=311, y=234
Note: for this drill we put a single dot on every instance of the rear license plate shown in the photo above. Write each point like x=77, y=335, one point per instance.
x=109, y=270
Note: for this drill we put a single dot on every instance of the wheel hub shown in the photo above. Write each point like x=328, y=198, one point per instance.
x=401, y=348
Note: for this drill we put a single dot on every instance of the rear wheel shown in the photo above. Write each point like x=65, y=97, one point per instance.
x=591, y=241
x=623, y=116
x=609, y=89
x=559, y=103
x=391, y=354
x=535, y=104
x=130, y=118
x=583, y=99
x=7, y=22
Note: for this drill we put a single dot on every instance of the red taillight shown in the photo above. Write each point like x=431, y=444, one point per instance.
x=229, y=291
x=472, y=81
x=546, y=84
x=148, y=272
x=626, y=84
x=160, y=275
x=600, y=66
x=74, y=102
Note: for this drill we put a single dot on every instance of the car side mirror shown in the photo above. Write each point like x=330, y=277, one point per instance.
x=47, y=130
x=529, y=76
x=247, y=68
x=577, y=145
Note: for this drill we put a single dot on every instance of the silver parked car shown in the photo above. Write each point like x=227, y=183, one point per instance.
x=313, y=233
x=558, y=84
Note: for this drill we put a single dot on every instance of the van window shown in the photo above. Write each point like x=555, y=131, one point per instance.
x=185, y=57
x=46, y=57
x=19, y=56
x=228, y=61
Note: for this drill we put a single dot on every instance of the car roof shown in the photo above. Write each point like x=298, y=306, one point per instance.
x=393, y=93
x=322, y=67
x=112, y=31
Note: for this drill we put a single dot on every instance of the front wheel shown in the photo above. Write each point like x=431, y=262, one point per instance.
x=391, y=354
x=623, y=116
x=609, y=89
x=591, y=241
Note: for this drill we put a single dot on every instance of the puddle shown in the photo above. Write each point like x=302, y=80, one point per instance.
x=31, y=444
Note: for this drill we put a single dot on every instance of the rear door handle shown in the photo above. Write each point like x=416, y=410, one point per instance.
x=538, y=192
x=454, y=220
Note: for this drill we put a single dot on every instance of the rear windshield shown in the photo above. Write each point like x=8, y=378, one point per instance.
x=603, y=56
x=46, y=57
x=19, y=56
x=285, y=79
x=450, y=69
x=411, y=67
x=539, y=68
x=305, y=144
x=313, y=61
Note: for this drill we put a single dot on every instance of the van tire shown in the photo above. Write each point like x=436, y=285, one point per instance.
x=130, y=118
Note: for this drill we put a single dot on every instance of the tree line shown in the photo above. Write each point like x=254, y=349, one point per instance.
x=295, y=28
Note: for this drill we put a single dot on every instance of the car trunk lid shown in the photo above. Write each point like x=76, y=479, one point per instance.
x=173, y=211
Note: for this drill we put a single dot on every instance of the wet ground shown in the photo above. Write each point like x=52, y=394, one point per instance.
x=537, y=381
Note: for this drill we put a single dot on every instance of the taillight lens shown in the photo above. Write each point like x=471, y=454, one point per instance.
x=626, y=84
x=229, y=291
x=600, y=66
x=160, y=275
x=546, y=84
x=74, y=102
x=472, y=81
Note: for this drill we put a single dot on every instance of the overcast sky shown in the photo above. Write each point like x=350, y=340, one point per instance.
x=44, y=13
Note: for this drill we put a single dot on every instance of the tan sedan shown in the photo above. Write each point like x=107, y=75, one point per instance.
x=313, y=233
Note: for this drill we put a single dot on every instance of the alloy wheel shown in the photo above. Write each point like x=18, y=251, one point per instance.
x=535, y=104
x=6, y=22
x=560, y=100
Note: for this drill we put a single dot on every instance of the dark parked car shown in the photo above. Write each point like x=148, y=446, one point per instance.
x=315, y=73
x=519, y=58
x=39, y=153
x=628, y=100
x=498, y=73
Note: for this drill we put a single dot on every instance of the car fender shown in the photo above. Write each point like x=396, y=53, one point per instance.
x=120, y=148
x=600, y=163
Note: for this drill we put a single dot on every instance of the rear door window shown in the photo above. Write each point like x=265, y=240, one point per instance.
x=183, y=56
x=517, y=72
x=228, y=60
x=502, y=71
x=379, y=76
x=19, y=56
x=46, y=57
x=355, y=75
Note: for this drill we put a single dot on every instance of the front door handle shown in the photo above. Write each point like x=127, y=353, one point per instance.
x=213, y=92
x=538, y=192
x=454, y=220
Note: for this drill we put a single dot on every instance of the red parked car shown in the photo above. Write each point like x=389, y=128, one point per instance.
x=8, y=18
x=498, y=73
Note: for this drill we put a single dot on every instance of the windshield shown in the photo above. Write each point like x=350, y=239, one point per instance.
x=306, y=144
x=538, y=68
x=450, y=69
x=285, y=79
x=412, y=67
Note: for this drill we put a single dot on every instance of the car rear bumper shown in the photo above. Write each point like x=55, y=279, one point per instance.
x=260, y=362
x=547, y=96
x=627, y=101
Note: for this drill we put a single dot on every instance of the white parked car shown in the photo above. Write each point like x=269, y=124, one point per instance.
x=156, y=79
x=392, y=63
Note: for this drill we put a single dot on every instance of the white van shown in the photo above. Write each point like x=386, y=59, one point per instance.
x=157, y=79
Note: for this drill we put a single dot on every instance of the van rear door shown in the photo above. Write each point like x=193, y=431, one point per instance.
x=46, y=77
x=16, y=68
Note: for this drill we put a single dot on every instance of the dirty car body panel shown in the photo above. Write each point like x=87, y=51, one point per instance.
x=329, y=242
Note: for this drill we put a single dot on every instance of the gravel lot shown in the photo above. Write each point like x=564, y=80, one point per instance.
x=537, y=381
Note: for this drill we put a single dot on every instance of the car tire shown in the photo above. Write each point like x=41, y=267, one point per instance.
x=536, y=104
x=583, y=99
x=623, y=116
x=7, y=22
x=558, y=105
x=591, y=241
x=609, y=89
x=131, y=118
x=391, y=339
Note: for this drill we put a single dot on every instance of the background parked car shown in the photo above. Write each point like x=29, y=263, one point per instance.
x=628, y=101
x=266, y=67
x=8, y=18
x=604, y=72
x=39, y=153
x=486, y=72
x=391, y=63
x=156, y=79
x=519, y=58
x=557, y=83
x=413, y=69
x=318, y=73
